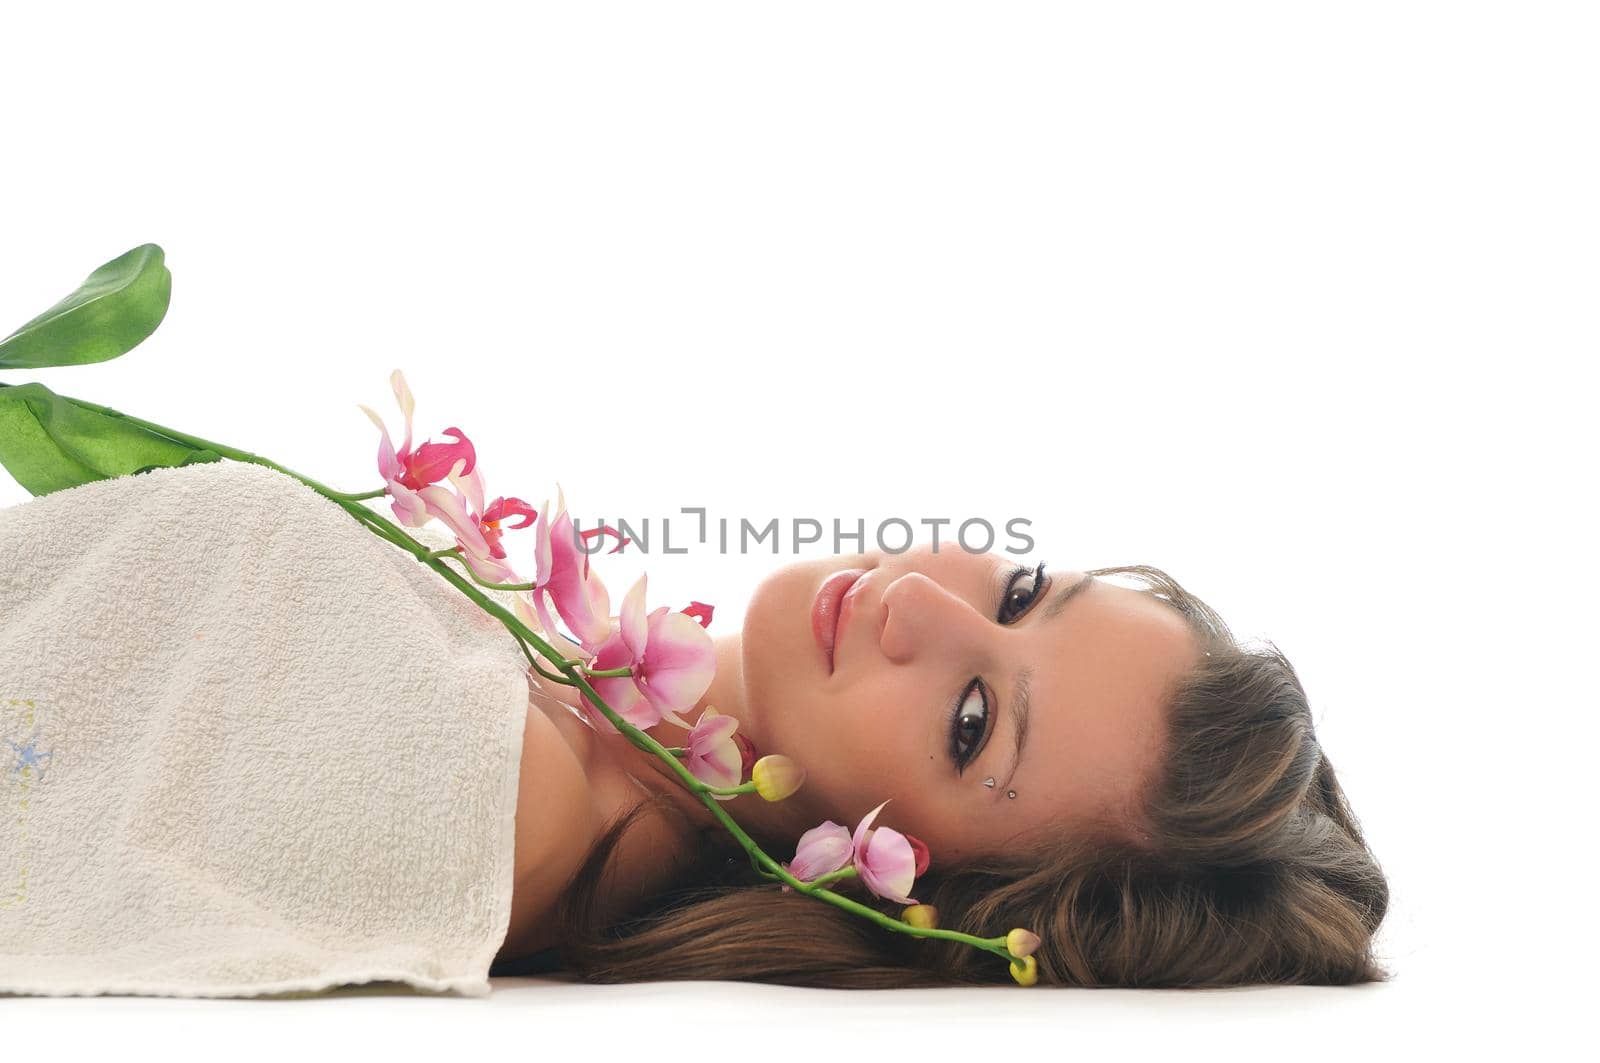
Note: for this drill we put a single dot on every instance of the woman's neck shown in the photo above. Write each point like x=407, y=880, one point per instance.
x=651, y=776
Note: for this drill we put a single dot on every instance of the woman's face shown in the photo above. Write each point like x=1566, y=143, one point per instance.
x=941, y=662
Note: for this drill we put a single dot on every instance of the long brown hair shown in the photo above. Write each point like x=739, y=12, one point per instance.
x=1248, y=867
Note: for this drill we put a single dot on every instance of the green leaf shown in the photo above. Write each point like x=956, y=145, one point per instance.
x=110, y=314
x=49, y=443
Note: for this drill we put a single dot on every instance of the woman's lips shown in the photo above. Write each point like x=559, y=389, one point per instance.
x=827, y=612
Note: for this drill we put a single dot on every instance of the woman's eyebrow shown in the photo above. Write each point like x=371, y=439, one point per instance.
x=1019, y=721
x=1053, y=607
x=1019, y=686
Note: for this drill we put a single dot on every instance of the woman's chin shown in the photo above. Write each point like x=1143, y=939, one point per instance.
x=780, y=655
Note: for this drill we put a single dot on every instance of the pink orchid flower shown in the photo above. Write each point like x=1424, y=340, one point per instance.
x=562, y=569
x=671, y=657
x=477, y=529
x=747, y=754
x=500, y=510
x=885, y=860
x=408, y=471
x=619, y=692
x=920, y=848
x=822, y=849
x=715, y=758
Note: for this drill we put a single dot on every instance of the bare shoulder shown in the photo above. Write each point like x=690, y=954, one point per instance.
x=557, y=820
x=573, y=785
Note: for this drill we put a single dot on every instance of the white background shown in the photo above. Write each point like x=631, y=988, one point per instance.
x=1294, y=301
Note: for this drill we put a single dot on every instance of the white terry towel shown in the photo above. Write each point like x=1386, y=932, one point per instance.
x=246, y=746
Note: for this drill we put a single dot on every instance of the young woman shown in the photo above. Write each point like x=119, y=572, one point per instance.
x=1100, y=763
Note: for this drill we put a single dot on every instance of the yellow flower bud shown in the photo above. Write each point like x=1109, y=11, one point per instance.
x=776, y=776
x=922, y=916
x=1026, y=972
x=1022, y=943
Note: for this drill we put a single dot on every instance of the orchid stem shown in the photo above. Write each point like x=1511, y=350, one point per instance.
x=537, y=667
x=726, y=791
x=500, y=586
x=843, y=872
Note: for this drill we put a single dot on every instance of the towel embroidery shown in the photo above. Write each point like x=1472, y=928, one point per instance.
x=27, y=771
x=29, y=757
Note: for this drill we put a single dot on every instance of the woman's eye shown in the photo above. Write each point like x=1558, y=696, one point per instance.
x=1022, y=590
x=969, y=724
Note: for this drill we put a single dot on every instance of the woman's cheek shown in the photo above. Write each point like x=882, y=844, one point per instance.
x=890, y=720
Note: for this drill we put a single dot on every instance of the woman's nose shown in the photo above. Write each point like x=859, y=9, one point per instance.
x=923, y=618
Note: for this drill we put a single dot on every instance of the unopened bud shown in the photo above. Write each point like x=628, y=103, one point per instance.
x=1021, y=943
x=776, y=776
x=922, y=916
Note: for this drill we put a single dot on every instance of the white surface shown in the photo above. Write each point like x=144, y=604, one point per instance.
x=1323, y=279
x=541, y=1018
